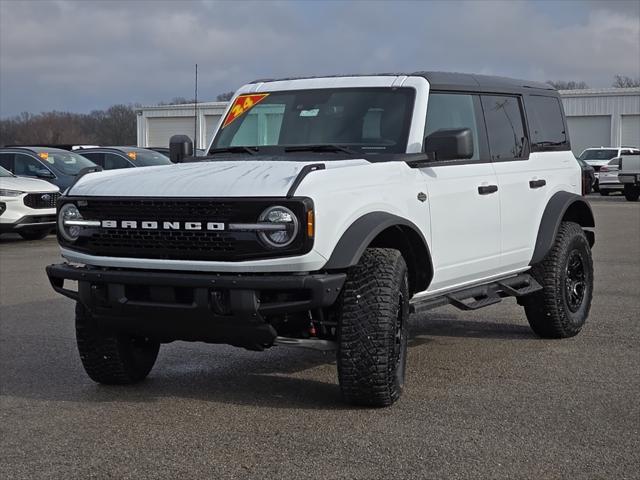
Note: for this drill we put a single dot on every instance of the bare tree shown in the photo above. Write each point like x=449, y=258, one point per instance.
x=225, y=97
x=622, y=81
x=568, y=85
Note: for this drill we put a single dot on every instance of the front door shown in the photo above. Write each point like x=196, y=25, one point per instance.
x=464, y=199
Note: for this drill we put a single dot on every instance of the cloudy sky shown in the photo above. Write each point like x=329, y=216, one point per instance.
x=85, y=55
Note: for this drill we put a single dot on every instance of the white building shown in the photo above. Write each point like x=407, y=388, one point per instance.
x=596, y=117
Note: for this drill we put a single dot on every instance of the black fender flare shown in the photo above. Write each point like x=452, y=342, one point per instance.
x=561, y=206
x=363, y=232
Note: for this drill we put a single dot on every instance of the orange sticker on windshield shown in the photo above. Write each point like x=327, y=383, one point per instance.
x=242, y=104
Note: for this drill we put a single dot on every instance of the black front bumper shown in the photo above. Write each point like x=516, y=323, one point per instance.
x=216, y=308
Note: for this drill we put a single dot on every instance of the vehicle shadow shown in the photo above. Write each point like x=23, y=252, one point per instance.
x=46, y=366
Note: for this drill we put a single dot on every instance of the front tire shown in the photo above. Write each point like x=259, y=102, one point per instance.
x=561, y=308
x=110, y=358
x=632, y=192
x=373, y=314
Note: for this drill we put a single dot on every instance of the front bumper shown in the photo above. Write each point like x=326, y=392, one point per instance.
x=28, y=223
x=207, y=307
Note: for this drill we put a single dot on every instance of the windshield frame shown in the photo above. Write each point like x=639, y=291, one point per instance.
x=360, y=149
x=4, y=173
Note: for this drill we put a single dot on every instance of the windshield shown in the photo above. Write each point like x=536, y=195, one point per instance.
x=67, y=163
x=371, y=120
x=5, y=173
x=599, y=154
x=148, y=158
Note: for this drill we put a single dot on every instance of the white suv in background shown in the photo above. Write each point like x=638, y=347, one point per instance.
x=27, y=206
x=601, y=156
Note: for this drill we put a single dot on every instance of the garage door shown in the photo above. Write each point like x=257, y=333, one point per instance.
x=160, y=130
x=631, y=130
x=588, y=132
x=211, y=122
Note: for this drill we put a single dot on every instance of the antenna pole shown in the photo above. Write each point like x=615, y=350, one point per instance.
x=195, y=108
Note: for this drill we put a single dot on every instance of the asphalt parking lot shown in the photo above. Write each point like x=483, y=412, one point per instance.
x=485, y=398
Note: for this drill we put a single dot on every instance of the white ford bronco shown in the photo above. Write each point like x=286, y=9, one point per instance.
x=325, y=212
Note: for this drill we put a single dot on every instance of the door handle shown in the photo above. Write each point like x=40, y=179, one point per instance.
x=487, y=189
x=537, y=183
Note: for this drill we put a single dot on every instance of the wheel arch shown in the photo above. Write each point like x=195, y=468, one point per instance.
x=385, y=230
x=562, y=207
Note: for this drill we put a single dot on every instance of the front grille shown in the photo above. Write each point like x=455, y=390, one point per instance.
x=181, y=244
x=41, y=200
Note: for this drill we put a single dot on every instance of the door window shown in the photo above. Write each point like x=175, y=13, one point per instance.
x=113, y=161
x=451, y=110
x=6, y=161
x=28, y=166
x=95, y=157
x=505, y=129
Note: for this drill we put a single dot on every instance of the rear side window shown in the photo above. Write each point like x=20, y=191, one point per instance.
x=452, y=110
x=505, y=129
x=546, y=124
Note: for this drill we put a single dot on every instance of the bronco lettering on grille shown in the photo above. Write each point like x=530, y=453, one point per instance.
x=153, y=225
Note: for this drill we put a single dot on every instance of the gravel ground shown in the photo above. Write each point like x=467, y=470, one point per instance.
x=484, y=397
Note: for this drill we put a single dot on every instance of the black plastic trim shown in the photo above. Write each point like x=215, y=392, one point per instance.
x=306, y=170
x=554, y=214
x=363, y=231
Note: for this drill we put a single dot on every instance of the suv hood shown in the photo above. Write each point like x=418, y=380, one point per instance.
x=246, y=178
x=29, y=185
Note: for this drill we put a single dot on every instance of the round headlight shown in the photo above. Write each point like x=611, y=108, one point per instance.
x=285, y=226
x=69, y=212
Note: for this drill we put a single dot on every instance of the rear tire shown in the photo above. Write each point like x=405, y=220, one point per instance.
x=632, y=192
x=373, y=313
x=561, y=308
x=34, y=234
x=110, y=358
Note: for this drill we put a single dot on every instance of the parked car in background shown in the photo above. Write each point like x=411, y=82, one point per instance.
x=112, y=158
x=54, y=165
x=629, y=176
x=608, y=177
x=599, y=157
x=166, y=152
x=588, y=177
x=27, y=206
x=61, y=146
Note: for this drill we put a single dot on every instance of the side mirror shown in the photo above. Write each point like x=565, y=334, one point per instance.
x=450, y=144
x=180, y=146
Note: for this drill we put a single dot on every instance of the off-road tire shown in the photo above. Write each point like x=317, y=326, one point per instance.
x=109, y=358
x=34, y=234
x=632, y=193
x=561, y=308
x=373, y=314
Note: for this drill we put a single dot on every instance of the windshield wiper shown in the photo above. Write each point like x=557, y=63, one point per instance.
x=236, y=149
x=320, y=148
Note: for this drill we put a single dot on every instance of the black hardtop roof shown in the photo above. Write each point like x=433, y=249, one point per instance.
x=452, y=81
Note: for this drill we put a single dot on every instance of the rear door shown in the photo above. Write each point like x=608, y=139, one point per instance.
x=531, y=161
x=464, y=198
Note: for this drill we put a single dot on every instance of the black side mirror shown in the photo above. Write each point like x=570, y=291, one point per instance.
x=450, y=144
x=180, y=147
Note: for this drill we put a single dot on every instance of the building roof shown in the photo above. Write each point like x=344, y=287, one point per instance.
x=600, y=92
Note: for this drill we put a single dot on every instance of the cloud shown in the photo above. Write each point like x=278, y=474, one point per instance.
x=79, y=56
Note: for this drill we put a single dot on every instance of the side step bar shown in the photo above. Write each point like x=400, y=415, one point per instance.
x=473, y=298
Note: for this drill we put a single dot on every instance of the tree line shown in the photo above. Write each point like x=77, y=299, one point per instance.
x=117, y=124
